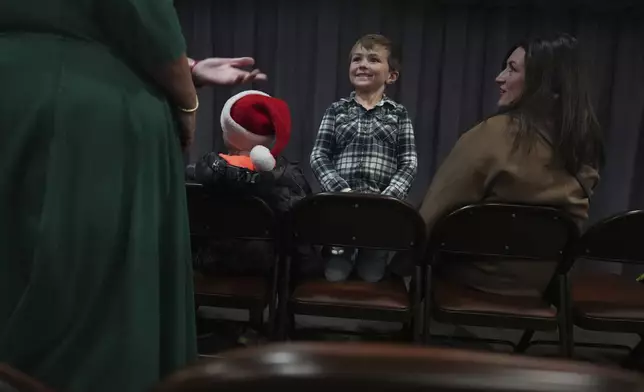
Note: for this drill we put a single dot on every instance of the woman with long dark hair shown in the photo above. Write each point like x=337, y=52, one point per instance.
x=543, y=147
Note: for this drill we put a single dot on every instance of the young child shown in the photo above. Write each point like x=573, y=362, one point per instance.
x=256, y=128
x=366, y=144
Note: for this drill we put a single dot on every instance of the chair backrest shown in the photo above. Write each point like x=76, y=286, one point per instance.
x=222, y=215
x=13, y=380
x=350, y=367
x=516, y=232
x=619, y=239
x=357, y=220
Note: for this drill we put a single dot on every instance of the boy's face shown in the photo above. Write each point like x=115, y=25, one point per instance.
x=369, y=68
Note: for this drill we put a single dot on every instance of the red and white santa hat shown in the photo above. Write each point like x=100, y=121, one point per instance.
x=256, y=122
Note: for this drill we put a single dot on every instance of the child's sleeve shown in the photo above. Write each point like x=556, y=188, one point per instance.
x=407, y=160
x=322, y=155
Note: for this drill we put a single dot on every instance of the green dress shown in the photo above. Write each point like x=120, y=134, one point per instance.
x=95, y=274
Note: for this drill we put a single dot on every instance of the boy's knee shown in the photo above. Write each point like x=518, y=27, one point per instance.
x=335, y=275
x=372, y=265
x=370, y=275
x=338, y=269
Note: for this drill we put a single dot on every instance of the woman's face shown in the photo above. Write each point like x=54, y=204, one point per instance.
x=512, y=78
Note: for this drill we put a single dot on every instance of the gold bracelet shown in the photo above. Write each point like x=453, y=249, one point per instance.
x=193, y=109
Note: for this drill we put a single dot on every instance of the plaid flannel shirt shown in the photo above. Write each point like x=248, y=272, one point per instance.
x=371, y=151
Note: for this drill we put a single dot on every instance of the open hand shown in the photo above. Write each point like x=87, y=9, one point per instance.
x=226, y=71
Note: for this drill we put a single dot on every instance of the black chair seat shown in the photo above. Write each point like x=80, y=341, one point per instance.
x=459, y=304
x=236, y=292
x=608, y=302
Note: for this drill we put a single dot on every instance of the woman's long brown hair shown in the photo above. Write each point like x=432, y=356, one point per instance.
x=556, y=100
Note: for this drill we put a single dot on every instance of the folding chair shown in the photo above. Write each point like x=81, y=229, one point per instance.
x=215, y=216
x=511, y=233
x=362, y=221
x=608, y=302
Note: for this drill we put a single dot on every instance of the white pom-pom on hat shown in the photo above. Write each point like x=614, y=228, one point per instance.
x=262, y=158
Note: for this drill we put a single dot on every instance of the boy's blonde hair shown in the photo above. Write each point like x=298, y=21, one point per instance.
x=370, y=41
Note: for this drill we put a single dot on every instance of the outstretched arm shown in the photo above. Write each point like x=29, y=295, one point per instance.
x=224, y=71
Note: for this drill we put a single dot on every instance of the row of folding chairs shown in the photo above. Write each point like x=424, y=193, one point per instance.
x=602, y=302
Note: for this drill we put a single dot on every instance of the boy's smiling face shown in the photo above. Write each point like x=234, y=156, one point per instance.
x=369, y=69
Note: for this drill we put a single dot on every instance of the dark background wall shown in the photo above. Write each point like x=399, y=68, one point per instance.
x=452, y=50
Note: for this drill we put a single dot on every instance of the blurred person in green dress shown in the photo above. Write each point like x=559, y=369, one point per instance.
x=96, y=102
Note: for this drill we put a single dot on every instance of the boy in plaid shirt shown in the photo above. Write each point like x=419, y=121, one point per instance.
x=366, y=144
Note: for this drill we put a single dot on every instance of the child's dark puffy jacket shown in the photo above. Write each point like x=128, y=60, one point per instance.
x=279, y=188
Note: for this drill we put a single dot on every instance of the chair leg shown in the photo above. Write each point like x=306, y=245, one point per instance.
x=524, y=343
x=417, y=319
x=635, y=358
x=198, y=320
x=565, y=324
x=256, y=318
x=289, y=329
x=427, y=310
x=283, y=298
x=283, y=320
x=271, y=324
x=406, y=332
x=272, y=327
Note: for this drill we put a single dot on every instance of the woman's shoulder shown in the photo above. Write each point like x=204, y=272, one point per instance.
x=499, y=126
x=497, y=122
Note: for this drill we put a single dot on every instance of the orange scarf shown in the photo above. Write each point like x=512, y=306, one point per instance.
x=239, y=161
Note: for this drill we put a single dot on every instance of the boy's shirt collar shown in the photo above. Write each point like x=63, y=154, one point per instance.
x=385, y=100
